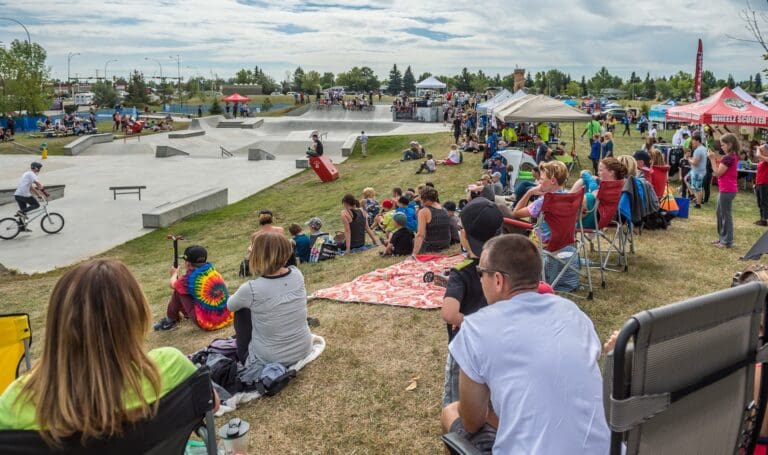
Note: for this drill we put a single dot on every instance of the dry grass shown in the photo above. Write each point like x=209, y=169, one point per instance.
x=353, y=399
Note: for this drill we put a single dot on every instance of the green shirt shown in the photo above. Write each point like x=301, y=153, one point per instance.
x=687, y=143
x=173, y=366
x=593, y=127
x=543, y=130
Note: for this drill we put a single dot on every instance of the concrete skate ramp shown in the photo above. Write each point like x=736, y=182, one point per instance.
x=379, y=113
x=282, y=149
x=332, y=127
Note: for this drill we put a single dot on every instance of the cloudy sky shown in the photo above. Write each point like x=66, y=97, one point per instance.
x=221, y=36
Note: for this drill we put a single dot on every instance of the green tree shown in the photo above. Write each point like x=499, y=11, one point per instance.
x=310, y=82
x=424, y=76
x=327, y=80
x=708, y=83
x=649, y=87
x=104, y=94
x=731, y=83
x=409, y=82
x=528, y=81
x=297, y=78
x=758, y=83
x=584, y=89
x=137, y=90
x=244, y=76
x=573, y=89
x=464, y=82
x=215, y=108
x=23, y=74
x=395, y=83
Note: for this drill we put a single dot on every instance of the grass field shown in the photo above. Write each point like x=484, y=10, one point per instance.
x=56, y=145
x=353, y=398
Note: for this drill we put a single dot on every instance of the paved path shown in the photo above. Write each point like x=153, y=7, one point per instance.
x=96, y=223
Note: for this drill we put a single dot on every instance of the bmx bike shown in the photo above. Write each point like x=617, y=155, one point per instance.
x=50, y=222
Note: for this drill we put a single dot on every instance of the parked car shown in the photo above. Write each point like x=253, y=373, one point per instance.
x=276, y=93
x=617, y=113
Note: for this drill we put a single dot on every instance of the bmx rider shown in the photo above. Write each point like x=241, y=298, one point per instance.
x=23, y=194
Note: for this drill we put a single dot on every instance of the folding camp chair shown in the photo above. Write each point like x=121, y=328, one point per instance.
x=567, y=160
x=686, y=382
x=181, y=411
x=659, y=178
x=604, y=212
x=561, y=211
x=15, y=341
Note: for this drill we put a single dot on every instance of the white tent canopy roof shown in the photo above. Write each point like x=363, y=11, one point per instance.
x=501, y=99
x=540, y=108
x=430, y=83
x=749, y=98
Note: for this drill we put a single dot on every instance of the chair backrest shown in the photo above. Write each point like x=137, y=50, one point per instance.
x=659, y=177
x=607, y=202
x=15, y=338
x=691, y=380
x=561, y=211
x=180, y=412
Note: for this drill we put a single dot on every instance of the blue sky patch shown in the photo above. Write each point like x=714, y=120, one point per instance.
x=293, y=29
x=431, y=34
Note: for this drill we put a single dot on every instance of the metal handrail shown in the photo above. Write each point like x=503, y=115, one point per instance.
x=225, y=153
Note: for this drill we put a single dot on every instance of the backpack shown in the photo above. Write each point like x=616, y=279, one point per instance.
x=656, y=220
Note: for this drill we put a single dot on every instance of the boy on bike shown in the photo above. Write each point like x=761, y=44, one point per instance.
x=23, y=194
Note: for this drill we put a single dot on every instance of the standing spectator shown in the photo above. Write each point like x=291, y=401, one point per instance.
x=482, y=220
x=518, y=376
x=607, y=146
x=363, y=143
x=653, y=132
x=543, y=152
x=698, y=162
x=434, y=228
x=595, y=151
x=491, y=142
x=761, y=184
x=199, y=110
x=370, y=205
x=593, y=127
x=627, y=123
x=456, y=129
x=726, y=170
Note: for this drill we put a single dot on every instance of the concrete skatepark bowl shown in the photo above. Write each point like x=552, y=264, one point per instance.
x=95, y=222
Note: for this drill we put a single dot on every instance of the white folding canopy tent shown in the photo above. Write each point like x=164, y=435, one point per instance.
x=431, y=83
x=541, y=108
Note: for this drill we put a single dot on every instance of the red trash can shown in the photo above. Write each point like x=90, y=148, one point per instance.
x=324, y=168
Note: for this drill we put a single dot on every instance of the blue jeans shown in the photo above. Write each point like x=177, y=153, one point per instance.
x=27, y=203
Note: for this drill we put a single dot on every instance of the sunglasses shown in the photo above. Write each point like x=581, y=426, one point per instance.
x=482, y=270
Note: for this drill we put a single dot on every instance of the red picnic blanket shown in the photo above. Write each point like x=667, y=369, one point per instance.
x=401, y=284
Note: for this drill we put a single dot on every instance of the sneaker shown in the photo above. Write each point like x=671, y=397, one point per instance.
x=21, y=214
x=165, y=325
x=761, y=223
x=697, y=206
x=25, y=229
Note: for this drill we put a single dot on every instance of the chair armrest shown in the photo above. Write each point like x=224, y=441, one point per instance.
x=459, y=445
x=517, y=223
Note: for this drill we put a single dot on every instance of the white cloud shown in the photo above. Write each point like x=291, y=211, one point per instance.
x=577, y=36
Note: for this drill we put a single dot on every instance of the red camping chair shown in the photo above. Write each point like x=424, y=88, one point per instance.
x=605, y=210
x=659, y=177
x=561, y=211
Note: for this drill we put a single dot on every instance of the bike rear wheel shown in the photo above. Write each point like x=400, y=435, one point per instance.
x=9, y=228
x=52, y=223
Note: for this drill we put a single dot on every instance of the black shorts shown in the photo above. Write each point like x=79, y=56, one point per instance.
x=483, y=439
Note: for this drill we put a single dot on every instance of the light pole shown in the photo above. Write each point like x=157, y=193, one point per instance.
x=178, y=80
x=158, y=64
x=69, y=80
x=29, y=41
x=105, y=67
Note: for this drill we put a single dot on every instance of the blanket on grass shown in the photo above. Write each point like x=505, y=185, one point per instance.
x=401, y=284
x=230, y=404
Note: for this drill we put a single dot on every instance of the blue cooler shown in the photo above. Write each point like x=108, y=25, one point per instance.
x=684, y=204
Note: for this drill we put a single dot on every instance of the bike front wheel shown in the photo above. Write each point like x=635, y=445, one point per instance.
x=9, y=228
x=52, y=223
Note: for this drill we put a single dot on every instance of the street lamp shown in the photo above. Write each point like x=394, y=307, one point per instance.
x=158, y=64
x=105, y=67
x=29, y=41
x=178, y=80
x=69, y=80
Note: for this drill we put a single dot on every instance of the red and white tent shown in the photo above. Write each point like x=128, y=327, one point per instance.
x=723, y=108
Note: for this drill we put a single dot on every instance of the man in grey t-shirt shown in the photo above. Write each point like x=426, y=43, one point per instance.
x=698, y=161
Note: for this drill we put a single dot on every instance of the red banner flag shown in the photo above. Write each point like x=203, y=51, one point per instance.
x=697, y=77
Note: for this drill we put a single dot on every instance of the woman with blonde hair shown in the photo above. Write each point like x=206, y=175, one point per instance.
x=370, y=205
x=629, y=162
x=94, y=376
x=271, y=310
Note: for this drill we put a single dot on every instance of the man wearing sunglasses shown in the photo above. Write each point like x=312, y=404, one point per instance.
x=528, y=362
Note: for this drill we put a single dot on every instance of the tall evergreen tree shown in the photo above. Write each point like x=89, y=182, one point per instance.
x=649, y=89
x=298, y=77
x=409, y=82
x=465, y=80
x=583, y=86
x=757, y=84
x=395, y=83
x=731, y=83
x=528, y=81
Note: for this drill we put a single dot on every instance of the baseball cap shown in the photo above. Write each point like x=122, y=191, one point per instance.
x=195, y=254
x=387, y=204
x=481, y=220
x=400, y=218
x=315, y=223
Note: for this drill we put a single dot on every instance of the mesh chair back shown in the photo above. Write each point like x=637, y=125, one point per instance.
x=692, y=374
x=180, y=412
x=659, y=177
x=608, y=195
x=15, y=337
x=561, y=211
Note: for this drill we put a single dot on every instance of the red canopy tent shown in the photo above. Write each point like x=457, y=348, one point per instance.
x=236, y=98
x=722, y=108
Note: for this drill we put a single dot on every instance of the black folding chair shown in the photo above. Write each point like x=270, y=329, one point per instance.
x=181, y=411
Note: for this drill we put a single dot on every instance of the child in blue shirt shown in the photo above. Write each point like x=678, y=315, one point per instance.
x=403, y=206
x=301, y=241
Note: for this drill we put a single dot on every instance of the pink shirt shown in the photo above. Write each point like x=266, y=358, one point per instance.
x=728, y=181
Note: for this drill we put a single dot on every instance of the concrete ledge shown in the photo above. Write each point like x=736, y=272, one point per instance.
x=348, y=146
x=187, y=133
x=171, y=212
x=55, y=191
x=259, y=154
x=82, y=143
x=302, y=164
x=252, y=125
x=300, y=110
x=230, y=124
x=164, y=151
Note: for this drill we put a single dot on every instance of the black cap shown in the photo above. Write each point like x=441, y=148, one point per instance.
x=642, y=155
x=481, y=220
x=195, y=254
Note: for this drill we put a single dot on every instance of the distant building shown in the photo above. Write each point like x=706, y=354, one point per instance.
x=84, y=98
x=243, y=89
x=121, y=84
